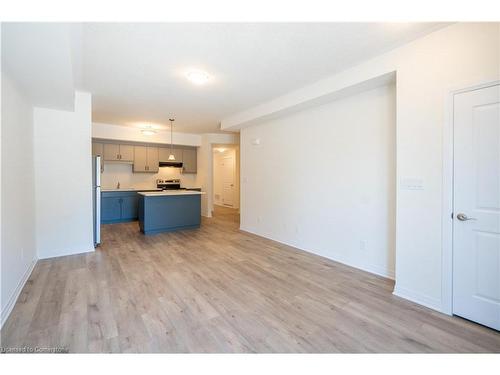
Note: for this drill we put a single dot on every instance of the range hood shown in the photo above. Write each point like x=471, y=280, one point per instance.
x=171, y=164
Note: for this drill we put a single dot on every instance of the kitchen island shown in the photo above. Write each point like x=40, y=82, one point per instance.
x=167, y=211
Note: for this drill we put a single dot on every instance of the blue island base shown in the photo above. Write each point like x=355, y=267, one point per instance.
x=168, y=213
x=170, y=229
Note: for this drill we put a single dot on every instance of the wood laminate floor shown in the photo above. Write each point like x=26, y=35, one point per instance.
x=218, y=289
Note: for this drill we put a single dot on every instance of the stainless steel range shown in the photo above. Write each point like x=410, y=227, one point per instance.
x=168, y=184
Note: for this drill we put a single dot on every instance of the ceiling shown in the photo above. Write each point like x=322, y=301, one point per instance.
x=136, y=71
x=39, y=57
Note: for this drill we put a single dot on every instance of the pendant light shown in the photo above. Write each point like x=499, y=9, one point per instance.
x=171, y=156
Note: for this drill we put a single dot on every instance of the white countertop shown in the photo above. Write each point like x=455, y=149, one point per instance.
x=128, y=189
x=170, y=192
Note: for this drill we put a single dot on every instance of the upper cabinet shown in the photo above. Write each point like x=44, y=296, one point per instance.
x=97, y=149
x=146, y=159
x=111, y=152
x=189, y=160
x=126, y=153
x=118, y=152
x=153, y=159
x=164, y=153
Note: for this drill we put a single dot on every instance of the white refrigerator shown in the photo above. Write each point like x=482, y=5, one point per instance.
x=96, y=198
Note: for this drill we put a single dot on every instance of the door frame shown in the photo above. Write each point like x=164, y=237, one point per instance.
x=447, y=195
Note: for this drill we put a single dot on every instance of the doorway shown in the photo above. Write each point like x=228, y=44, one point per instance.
x=476, y=205
x=226, y=178
x=227, y=166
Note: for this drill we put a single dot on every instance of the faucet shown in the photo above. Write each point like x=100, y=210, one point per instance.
x=118, y=185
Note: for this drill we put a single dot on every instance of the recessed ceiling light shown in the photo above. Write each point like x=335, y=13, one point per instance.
x=198, y=77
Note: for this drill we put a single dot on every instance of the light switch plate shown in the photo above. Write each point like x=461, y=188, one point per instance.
x=412, y=183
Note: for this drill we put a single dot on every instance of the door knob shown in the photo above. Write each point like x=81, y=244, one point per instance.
x=463, y=217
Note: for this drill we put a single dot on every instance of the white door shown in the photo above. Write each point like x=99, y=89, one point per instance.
x=476, y=225
x=228, y=180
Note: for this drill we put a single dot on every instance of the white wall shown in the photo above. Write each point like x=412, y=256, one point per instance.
x=63, y=179
x=117, y=172
x=18, y=244
x=427, y=70
x=127, y=133
x=323, y=180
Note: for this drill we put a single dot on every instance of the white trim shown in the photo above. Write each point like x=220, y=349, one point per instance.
x=370, y=268
x=421, y=299
x=224, y=205
x=447, y=209
x=70, y=252
x=15, y=295
x=447, y=197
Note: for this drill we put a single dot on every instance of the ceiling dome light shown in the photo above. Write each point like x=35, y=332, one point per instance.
x=148, y=130
x=198, y=77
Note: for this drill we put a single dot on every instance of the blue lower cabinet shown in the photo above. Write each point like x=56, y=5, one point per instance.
x=119, y=207
x=129, y=207
x=110, y=209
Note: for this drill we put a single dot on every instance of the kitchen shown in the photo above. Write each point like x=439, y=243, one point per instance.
x=135, y=178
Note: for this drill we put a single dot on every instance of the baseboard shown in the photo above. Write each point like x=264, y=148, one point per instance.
x=15, y=295
x=225, y=205
x=66, y=254
x=418, y=298
x=376, y=270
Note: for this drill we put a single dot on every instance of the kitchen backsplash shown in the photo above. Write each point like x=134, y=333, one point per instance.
x=116, y=172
